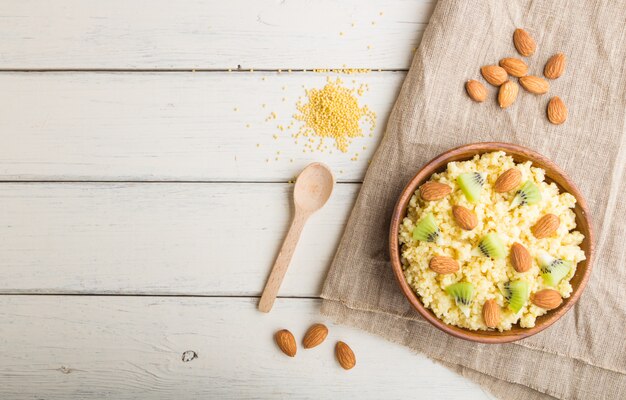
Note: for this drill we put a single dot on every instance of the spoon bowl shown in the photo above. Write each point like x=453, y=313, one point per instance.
x=313, y=187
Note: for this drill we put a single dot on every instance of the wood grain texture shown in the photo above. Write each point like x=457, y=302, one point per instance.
x=134, y=347
x=170, y=126
x=159, y=34
x=161, y=238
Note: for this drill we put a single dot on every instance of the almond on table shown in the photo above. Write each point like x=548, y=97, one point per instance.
x=494, y=74
x=345, y=355
x=534, y=84
x=314, y=336
x=286, y=342
x=507, y=94
x=514, y=66
x=476, y=91
x=555, y=67
x=524, y=43
x=557, y=111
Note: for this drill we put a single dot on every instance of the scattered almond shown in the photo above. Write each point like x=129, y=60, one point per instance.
x=557, y=112
x=434, y=191
x=476, y=90
x=491, y=313
x=523, y=42
x=509, y=180
x=514, y=66
x=464, y=217
x=547, y=298
x=507, y=94
x=345, y=355
x=546, y=226
x=555, y=66
x=534, y=84
x=315, y=336
x=286, y=342
x=520, y=258
x=443, y=265
x=494, y=75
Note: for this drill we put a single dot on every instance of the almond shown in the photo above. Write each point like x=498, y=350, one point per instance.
x=315, y=336
x=464, y=217
x=476, y=90
x=494, y=75
x=546, y=226
x=286, y=342
x=534, y=84
x=520, y=258
x=345, y=355
x=434, y=191
x=524, y=43
x=443, y=265
x=555, y=66
x=557, y=112
x=547, y=298
x=509, y=180
x=491, y=313
x=507, y=94
x=514, y=66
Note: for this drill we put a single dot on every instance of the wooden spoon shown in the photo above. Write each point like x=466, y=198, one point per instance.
x=313, y=188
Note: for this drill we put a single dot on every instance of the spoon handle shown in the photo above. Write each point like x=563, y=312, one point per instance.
x=282, y=262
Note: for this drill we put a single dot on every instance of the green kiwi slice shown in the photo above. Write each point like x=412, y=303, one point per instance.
x=491, y=246
x=553, y=270
x=471, y=183
x=527, y=194
x=516, y=293
x=427, y=230
x=463, y=294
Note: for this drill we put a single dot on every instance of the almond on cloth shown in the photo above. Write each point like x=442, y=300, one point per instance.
x=314, y=336
x=491, y=313
x=520, y=257
x=286, y=342
x=523, y=42
x=555, y=67
x=509, y=180
x=546, y=226
x=547, y=298
x=534, y=84
x=557, y=111
x=434, y=191
x=476, y=91
x=443, y=265
x=464, y=217
x=345, y=355
x=514, y=66
x=494, y=74
x=507, y=94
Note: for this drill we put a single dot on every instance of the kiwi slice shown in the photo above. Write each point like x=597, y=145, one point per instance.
x=471, y=183
x=463, y=293
x=491, y=246
x=427, y=230
x=516, y=293
x=527, y=194
x=553, y=270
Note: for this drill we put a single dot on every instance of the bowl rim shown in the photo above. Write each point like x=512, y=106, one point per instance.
x=425, y=173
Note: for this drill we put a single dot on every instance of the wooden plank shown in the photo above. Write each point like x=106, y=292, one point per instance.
x=170, y=126
x=160, y=238
x=160, y=34
x=132, y=347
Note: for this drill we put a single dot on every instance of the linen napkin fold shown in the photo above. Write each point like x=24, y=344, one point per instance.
x=583, y=355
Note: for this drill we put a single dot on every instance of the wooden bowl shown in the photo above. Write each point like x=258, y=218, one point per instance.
x=553, y=174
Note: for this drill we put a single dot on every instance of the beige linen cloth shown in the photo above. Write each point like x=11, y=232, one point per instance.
x=582, y=356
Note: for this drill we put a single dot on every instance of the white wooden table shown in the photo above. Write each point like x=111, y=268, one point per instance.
x=139, y=219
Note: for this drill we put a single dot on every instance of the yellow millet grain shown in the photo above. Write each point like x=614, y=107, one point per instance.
x=333, y=112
